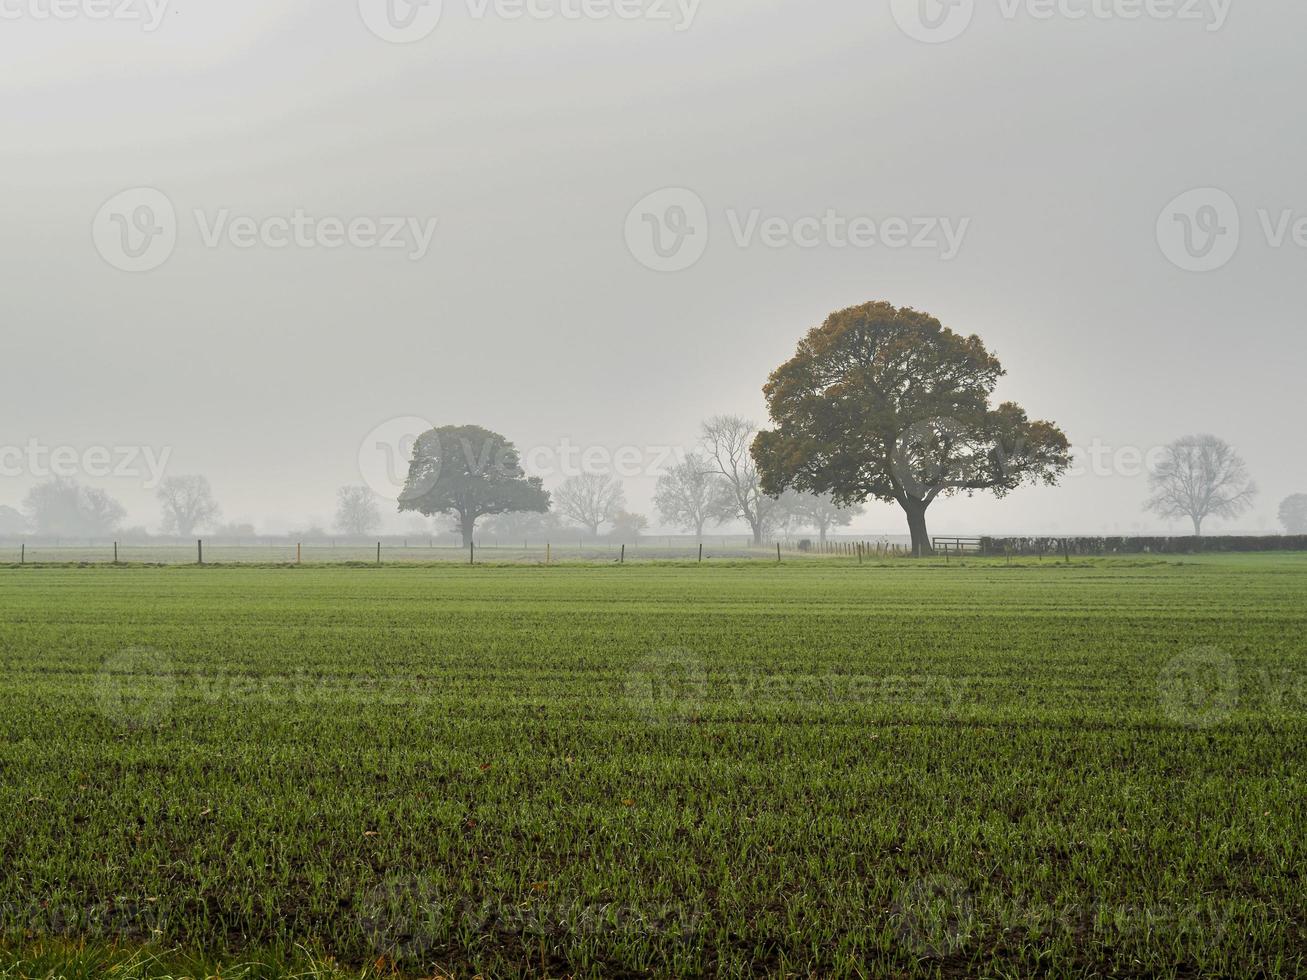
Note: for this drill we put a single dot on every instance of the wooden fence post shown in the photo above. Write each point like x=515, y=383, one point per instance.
x=472, y=553
x=700, y=552
x=379, y=551
x=622, y=559
x=200, y=545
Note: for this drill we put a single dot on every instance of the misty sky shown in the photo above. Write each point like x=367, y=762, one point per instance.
x=1057, y=143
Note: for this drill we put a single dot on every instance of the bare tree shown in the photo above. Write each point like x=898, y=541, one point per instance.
x=357, y=512
x=692, y=493
x=1200, y=477
x=627, y=527
x=12, y=523
x=820, y=511
x=63, y=507
x=590, y=500
x=522, y=526
x=1293, y=513
x=727, y=440
x=187, y=504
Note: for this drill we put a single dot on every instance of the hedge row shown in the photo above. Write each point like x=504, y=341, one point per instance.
x=1139, y=546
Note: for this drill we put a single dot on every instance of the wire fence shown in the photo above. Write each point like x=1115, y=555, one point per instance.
x=430, y=550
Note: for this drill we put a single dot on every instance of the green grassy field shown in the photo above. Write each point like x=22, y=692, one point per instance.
x=818, y=768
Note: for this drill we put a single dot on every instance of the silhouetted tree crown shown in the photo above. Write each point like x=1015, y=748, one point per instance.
x=887, y=403
x=469, y=472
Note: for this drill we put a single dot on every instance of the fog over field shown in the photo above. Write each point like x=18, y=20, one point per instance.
x=1025, y=180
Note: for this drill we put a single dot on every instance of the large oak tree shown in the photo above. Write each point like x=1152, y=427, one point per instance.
x=469, y=472
x=887, y=403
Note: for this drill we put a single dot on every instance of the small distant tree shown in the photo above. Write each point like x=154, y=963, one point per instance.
x=726, y=441
x=469, y=472
x=820, y=512
x=590, y=500
x=187, y=503
x=523, y=527
x=692, y=493
x=1198, y=477
x=628, y=527
x=64, y=508
x=1293, y=514
x=357, y=513
x=12, y=523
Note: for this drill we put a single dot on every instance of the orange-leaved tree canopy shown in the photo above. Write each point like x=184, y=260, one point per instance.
x=887, y=403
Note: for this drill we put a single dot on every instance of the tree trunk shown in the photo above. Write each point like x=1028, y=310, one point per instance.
x=757, y=535
x=468, y=525
x=1198, y=527
x=921, y=546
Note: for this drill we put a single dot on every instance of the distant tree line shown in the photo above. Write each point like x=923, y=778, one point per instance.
x=877, y=403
